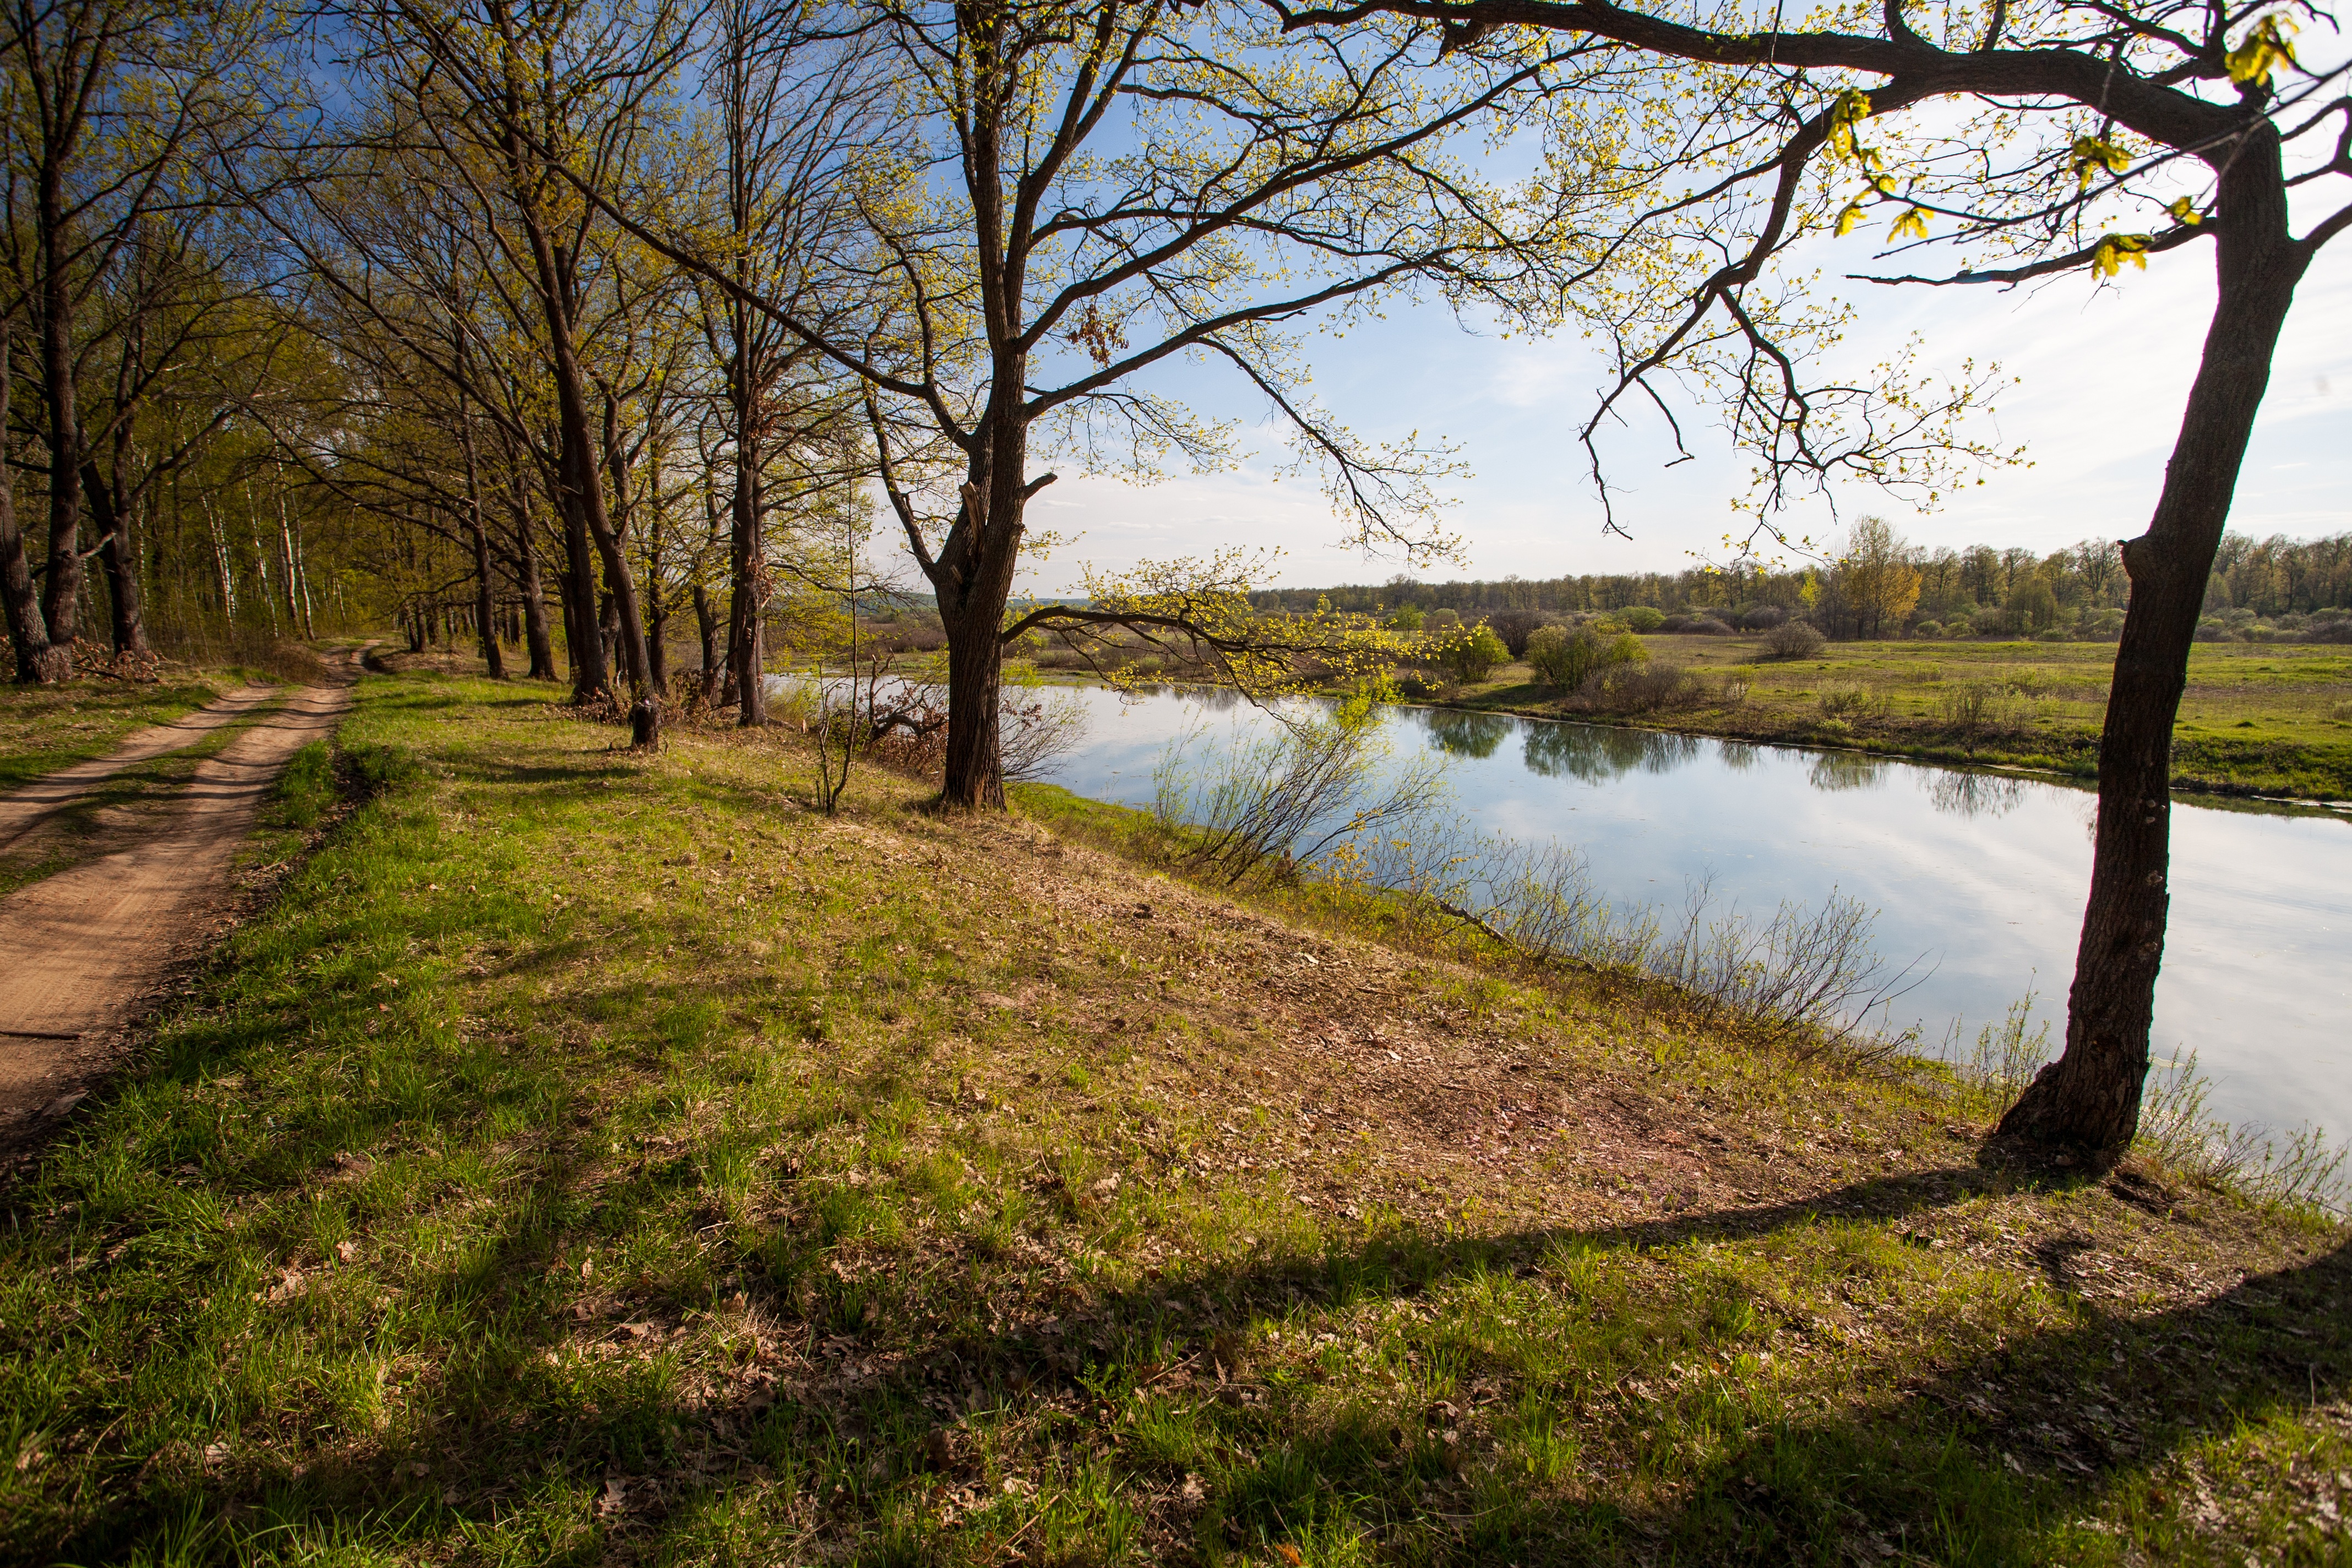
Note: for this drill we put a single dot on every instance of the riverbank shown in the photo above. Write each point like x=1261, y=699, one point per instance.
x=605, y=1156
x=2256, y=719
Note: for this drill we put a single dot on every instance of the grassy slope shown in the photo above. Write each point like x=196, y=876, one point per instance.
x=2276, y=718
x=45, y=727
x=594, y=1158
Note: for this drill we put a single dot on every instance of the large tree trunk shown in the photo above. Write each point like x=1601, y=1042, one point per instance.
x=974, y=579
x=975, y=769
x=2090, y=1097
x=582, y=475
x=590, y=676
x=747, y=660
x=61, y=591
x=129, y=620
x=28, y=630
x=485, y=610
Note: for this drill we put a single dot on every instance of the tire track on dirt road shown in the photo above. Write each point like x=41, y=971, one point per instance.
x=86, y=947
x=25, y=809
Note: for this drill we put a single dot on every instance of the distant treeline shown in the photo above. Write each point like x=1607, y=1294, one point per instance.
x=1881, y=586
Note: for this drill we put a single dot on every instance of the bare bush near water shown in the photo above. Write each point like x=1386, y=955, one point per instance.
x=1284, y=801
x=899, y=722
x=1809, y=983
x=1810, y=980
x=2295, y=1170
x=1318, y=798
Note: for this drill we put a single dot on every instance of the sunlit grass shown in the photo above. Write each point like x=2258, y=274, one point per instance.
x=594, y=1156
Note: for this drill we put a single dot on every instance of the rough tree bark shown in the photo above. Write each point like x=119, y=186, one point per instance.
x=28, y=630
x=706, y=623
x=747, y=596
x=110, y=516
x=534, y=591
x=583, y=483
x=2090, y=1096
x=62, y=589
x=590, y=676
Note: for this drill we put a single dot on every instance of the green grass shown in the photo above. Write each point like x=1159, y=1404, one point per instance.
x=45, y=727
x=2271, y=719
x=593, y=1157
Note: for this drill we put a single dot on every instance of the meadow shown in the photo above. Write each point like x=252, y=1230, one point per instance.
x=588, y=1156
x=2256, y=719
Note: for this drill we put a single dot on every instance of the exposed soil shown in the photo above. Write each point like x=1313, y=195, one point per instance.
x=91, y=945
x=27, y=808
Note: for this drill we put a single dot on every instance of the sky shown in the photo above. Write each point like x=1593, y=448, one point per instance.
x=2103, y=372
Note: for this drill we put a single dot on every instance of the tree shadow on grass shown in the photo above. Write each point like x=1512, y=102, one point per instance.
x=1973, y=1459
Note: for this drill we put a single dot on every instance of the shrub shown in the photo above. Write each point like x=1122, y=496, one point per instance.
x=1632, y=686
x=1515, y=627
x=2330, y=631
x=1927, y=629
x=1564, y=656
x=1472, y=655
x=1796, y=639
x=1843, y=698
x=1708, y=626
x=1763, y=617
x=1970, y=707
x=1643, y=618
x=1275, y=805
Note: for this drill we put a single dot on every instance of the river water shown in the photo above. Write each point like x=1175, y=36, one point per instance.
x=1981, y=874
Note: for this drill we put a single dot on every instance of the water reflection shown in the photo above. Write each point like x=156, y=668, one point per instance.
x=1835, y=770
x=1983, y=871
x=1974, y=795
x=1466, y=734
x=1599, y=752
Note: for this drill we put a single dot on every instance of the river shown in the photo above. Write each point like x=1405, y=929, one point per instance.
x=1980, y=873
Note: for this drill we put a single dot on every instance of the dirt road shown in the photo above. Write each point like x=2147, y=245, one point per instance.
x=26, y=809
x=84, y=948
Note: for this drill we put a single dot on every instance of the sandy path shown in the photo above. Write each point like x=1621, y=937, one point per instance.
x=24, y=809
x=84, y=946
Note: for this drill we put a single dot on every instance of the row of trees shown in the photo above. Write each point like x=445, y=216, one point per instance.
x=2010, y=591
x=634, y=304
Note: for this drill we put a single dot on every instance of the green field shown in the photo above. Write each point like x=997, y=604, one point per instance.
x=593, y=1157
x=2257, y=719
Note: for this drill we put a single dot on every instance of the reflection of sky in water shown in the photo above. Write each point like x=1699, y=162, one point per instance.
x=1984, y=873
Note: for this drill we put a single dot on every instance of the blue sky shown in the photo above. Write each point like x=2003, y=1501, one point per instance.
x=2103, y=374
